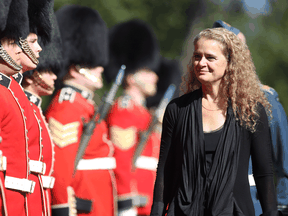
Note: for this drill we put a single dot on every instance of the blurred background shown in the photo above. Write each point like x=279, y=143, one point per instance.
x=176, y=23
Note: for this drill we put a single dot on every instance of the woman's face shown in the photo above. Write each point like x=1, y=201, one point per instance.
x=209, y=62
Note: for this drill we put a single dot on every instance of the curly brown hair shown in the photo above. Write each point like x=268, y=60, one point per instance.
x=240, y=83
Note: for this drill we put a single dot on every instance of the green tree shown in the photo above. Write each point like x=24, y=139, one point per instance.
x=269, y=49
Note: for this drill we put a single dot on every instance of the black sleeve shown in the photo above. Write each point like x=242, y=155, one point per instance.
x=168, y=125
x=261, y=153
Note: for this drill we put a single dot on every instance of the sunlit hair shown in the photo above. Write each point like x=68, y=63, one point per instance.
x=240, y=82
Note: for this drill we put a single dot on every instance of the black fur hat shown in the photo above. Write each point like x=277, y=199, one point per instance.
x=84, y=36
x=169, y=72
x=39, y=20
x=4, y=9
x=134, y=44
x=17, y=24
x=51, y=56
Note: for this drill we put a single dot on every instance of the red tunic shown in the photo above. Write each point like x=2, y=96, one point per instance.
x=94, y=178
x=47, y=151
x=36, y=200
x=127, y=114
x=14, y=147
x=145, y=173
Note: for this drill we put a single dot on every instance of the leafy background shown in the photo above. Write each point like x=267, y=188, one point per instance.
x=176, y=22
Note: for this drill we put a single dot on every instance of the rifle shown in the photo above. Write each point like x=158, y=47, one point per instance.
x=102, y=112
x=157, y=114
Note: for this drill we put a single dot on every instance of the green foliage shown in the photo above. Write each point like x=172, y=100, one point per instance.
x=176, y=22
x=269, y=49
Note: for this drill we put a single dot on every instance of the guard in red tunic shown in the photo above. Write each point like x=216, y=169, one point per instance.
x=131, y=43
x=14, y=184
x=146, y=163
x=40, y=82
x=145, y=173
x=85, y=46
x=126, y=119
x=39, y=22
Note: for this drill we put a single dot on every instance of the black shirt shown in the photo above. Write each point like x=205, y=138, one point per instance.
x=211, y=141
x=257, y=145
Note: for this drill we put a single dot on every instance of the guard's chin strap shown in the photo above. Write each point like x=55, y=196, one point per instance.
x=85, y=72
x=27, y=50
x=7, y=58
x=38, y=79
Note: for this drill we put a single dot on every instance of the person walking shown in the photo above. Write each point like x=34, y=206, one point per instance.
x=278, y=126
x=210, y=132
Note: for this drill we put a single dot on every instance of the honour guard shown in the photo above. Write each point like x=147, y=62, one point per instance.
x=39, y=24
x=14, y=184
x=88, y=188
x=40, y=82
x=147, y=161
x=131, y=43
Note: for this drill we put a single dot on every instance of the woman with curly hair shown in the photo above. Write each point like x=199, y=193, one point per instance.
x=210, y=132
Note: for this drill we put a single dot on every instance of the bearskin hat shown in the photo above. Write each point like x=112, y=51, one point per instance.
x=39, y=20
x=4, y=9
x=84, y=35
x=169, y=72
x=51, y=56
x=134, y=44
x=17, y=23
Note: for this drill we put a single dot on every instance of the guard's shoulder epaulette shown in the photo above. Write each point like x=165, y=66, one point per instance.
x=125, y=102
x=67, y=94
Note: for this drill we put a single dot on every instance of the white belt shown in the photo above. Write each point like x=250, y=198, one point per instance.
x=251, y=180
x=148, y=163
x=37, y=166
x=23, y=185
x=97, y=163
x=140, y=201
x=48, y=181
x=3, y=162
x=128, y=212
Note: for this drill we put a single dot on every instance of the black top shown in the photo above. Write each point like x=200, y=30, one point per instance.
x=211, y=140
x=257, y=145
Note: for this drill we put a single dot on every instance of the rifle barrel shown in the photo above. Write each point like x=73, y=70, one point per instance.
x=102, y=111
x=145, y=135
